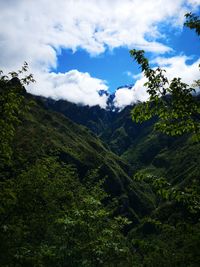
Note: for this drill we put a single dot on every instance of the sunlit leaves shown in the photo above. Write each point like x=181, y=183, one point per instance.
x=49, y=218
x=11, y=108
x=189, y=197
x=171, y=102
x=193, y=22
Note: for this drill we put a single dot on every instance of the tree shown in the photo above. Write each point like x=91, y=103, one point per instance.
x=172, y=102
x=174, y=226
x=47, y=216
x=193, y=22
x=12, y=106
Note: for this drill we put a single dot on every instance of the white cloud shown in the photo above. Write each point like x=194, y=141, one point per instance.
x=74, y=86
x=194, y=2
x=125, y=96
x=178, y=67
x=35, y=31
x=175, y=67
x=132, y=75
x=128, y=73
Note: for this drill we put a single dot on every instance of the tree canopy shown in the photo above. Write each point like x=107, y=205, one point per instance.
x=172, y=102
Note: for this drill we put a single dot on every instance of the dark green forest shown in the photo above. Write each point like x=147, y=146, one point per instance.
x=84, y=187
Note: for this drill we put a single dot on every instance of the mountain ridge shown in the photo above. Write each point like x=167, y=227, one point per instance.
x=116, y=149
x=138, y=144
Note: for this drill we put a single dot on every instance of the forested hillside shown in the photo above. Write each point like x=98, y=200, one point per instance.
x=142, y=147
x=53, y=172
x=89, y=187
x=45, y=141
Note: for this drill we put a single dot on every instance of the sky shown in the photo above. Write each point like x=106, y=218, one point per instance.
x=76, y=48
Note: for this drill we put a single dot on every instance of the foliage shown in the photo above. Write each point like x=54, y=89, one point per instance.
x=53, y=134
x=172, y=246
x=54, y=209
x=189, y=197
x=11, y=108
x=48, y=218
x=178, y=112
x=170, y=234
x=193, y=22
x=171, y=101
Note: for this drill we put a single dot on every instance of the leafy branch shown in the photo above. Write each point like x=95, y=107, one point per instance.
x=189, y=197
x=172, y=102
x=12, y=106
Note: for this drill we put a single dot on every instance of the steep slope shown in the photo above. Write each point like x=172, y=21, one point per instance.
x=45, y=132
x=138, y=144
x=53, y=210
x=157, y=224
x=95, y=118
x=116, y=129
x=122, y=131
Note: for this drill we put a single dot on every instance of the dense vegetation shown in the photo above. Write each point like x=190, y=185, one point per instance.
x=54, y=209
x=176, y=218
x=109, y=192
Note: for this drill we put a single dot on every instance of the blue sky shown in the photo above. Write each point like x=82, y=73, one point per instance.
x=110, y=66
x=76, y=48
x=114, y=66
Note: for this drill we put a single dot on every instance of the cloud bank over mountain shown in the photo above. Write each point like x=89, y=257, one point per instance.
x=74, y=86
x=36, y=31
x=176, y=66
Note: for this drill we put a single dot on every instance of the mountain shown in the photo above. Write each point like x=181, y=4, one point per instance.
x=137, y=144
x=95, y=118
x=115, y=128
x=148, y=152
x=58, y=158
x=46, y=132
